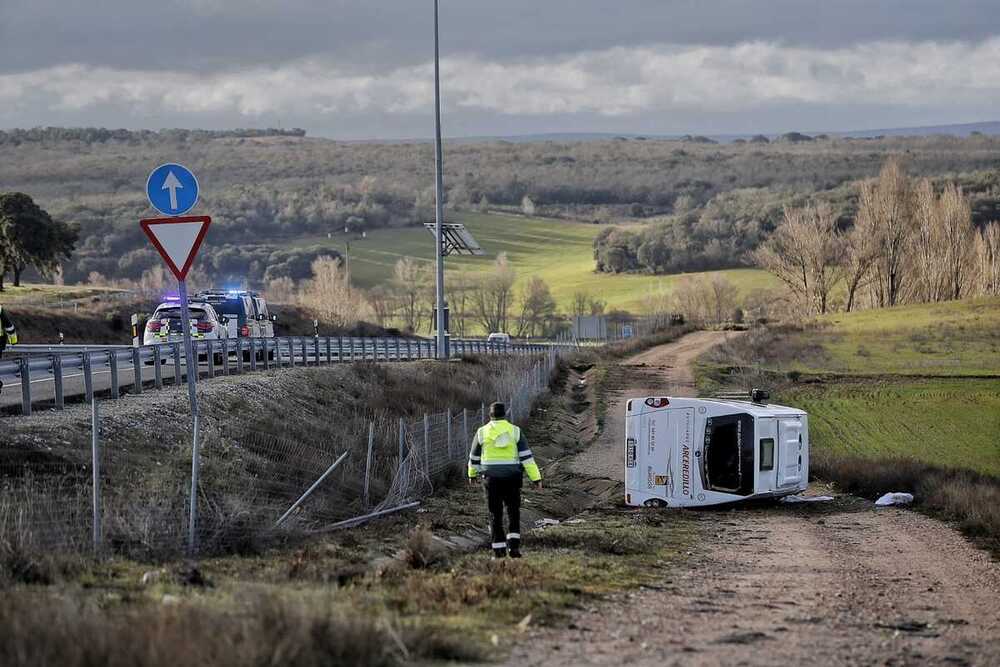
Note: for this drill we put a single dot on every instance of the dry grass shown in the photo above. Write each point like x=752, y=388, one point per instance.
x=421, y=551
x=265, y=631
x=970, y=499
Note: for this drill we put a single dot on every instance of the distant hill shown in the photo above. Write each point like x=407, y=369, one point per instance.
x=957, y=130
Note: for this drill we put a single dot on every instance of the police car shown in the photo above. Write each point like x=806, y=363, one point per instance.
x=244, y=314
x=165, y=326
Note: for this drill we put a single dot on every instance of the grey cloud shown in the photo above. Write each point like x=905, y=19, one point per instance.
x=214, y=34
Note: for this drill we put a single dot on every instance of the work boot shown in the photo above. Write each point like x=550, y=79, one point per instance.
x=499, y=554
x=514, y=542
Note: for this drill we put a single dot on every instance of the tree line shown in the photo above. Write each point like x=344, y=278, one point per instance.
x=266, y=188
x=908, y=242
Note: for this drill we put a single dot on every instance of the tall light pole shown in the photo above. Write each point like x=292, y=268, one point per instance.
x=438, y=196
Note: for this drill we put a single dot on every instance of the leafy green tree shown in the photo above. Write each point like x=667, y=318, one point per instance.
x=29, y=237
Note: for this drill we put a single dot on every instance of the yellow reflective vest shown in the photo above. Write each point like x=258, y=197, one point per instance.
x=9, y=334
x=499, y=450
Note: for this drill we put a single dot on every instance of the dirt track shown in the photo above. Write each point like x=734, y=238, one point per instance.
x=828, y=583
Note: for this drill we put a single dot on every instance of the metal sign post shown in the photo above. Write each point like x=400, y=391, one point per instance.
x=192, y=378
x=173, y=190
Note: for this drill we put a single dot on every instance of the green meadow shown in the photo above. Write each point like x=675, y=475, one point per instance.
x=559, y=252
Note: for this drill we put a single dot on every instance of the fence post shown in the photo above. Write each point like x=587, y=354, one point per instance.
x=329, y=351
x=398, y=355
x=88, y=377
x=402, y=446
x=136, y=371
x=225, y=356
x=427, y=445
x=113, y=365
x=368, y=461
x=449, y=434
x=57, y=377
x=482, y=413
x=465, y=425
x=409, y=349
x=95, y=464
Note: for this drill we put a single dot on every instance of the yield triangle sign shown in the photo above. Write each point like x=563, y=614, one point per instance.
x=177, y=240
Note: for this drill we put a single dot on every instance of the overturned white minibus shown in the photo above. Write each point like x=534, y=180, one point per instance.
x=692, y=452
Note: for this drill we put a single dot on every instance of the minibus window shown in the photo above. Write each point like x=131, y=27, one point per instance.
x=767, y=454
x=729, y=454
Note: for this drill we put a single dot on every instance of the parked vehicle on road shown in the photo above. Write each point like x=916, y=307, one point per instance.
x=165, y=326
x=244, y=313
x=689, y=452
x=499, y=338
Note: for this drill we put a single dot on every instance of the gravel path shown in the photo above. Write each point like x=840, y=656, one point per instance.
x=837, y=583
x=662, y=370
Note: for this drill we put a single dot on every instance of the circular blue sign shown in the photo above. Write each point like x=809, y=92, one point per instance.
x=172, y=189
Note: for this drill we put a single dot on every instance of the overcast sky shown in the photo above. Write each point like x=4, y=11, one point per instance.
x=362, y=68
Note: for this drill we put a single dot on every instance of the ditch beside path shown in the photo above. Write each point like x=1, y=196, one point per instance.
x=837, y=583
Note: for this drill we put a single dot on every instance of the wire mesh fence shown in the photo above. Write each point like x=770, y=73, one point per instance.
x=131, y=495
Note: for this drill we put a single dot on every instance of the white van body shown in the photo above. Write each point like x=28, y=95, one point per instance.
x=693, y=452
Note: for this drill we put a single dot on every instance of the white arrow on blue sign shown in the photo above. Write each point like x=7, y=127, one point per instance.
x=172, y=189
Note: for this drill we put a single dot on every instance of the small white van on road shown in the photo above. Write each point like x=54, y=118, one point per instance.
x=692, y=452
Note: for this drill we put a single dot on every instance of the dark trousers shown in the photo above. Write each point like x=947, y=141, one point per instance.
x=504, y=492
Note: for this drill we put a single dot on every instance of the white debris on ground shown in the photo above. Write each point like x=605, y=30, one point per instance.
x=894, y=499
x=805, y=499
x=543, y=523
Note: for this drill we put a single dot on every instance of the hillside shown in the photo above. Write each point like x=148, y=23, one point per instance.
x=561, y=253
x=267, y=192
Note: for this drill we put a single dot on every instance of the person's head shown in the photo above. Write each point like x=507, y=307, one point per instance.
x=498, y=410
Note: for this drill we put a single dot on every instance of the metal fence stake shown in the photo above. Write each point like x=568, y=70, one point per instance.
x=368, y=461
x=310, y=490
x=402, y=446
x=210, y=357
x=465, y=425
x=427, y=445
x=95, y=464
x=225, y=356
x=449, y=433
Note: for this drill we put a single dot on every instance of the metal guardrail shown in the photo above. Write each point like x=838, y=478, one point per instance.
x=130, y=366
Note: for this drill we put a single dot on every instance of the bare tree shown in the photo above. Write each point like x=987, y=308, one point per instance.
x=408, y=280
x=493, y=295
x=958, y=240
x=538, y=308
x=330, y=296
x=806, y=253
x=988, y=259
x=885, y=209
x=580, y=304
x=860, y=252
x=383, y=304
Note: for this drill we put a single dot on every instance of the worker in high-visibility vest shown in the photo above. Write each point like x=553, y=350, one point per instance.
x=500, y=454
x=9, y=334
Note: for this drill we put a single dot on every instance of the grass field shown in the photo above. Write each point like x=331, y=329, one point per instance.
x=559, y=252
x=942, y=422
x=44, y=295
x=954, y=338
